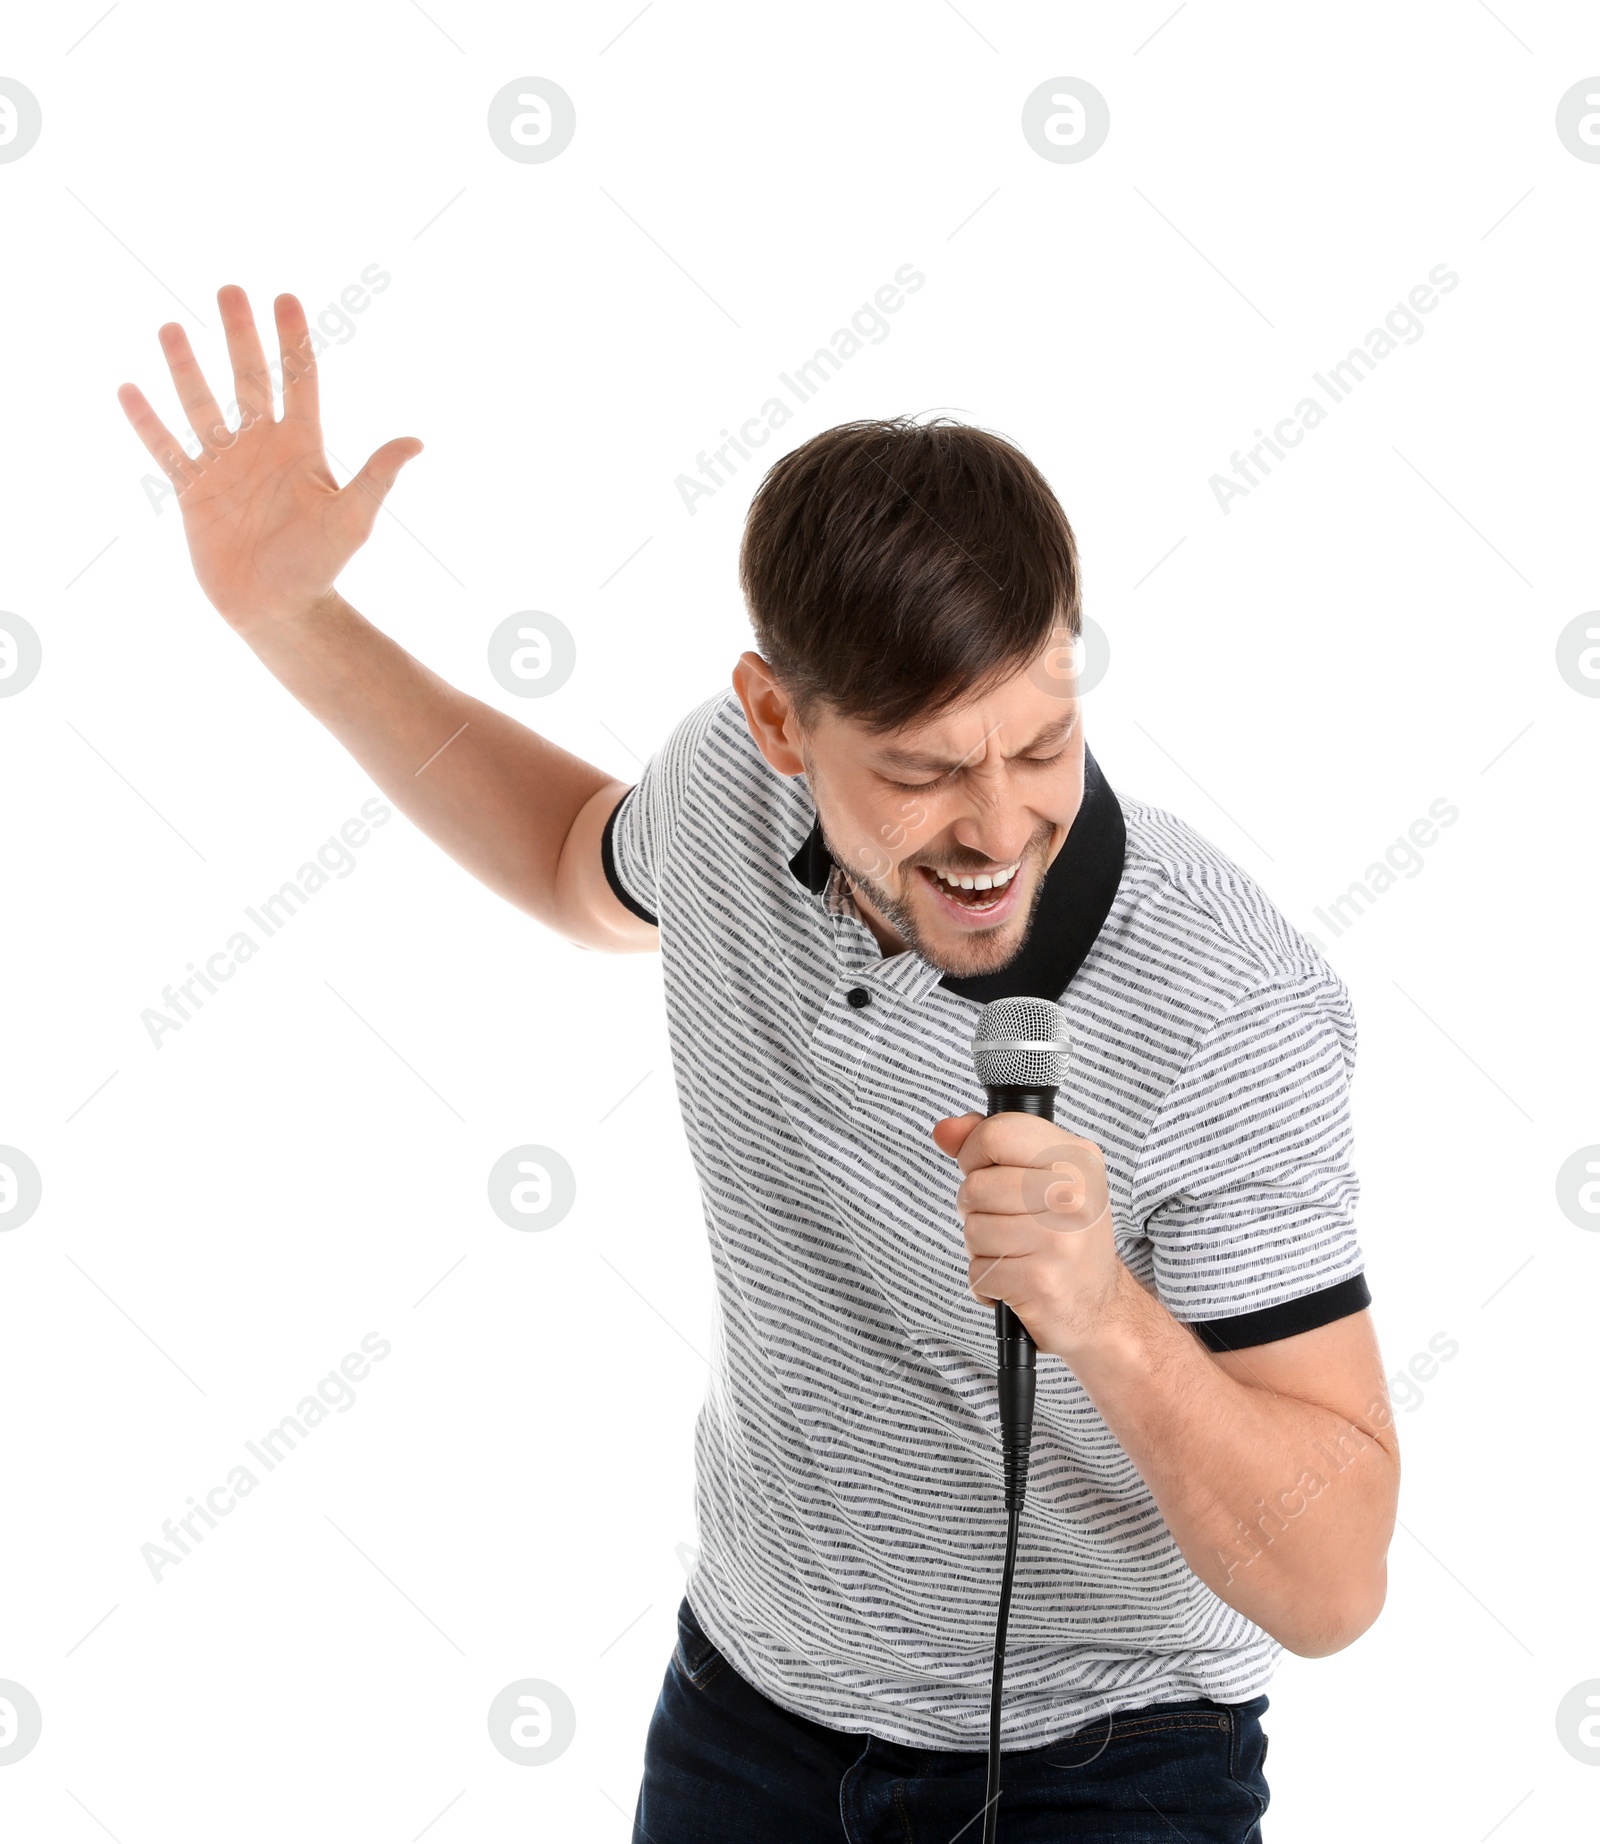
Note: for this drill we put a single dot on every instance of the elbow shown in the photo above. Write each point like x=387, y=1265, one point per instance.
x=1335, y=1622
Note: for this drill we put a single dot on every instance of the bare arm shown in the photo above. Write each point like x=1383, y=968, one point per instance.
x=514, y=809
x=1276, y=1468
x=269, y=531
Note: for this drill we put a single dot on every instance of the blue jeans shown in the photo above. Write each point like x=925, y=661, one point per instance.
x=725, y=1765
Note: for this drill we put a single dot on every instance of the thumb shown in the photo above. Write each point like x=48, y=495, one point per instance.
x=950, y=1134
x=360, y=499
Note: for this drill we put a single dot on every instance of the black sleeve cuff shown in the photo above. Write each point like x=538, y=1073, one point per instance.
x=1288, y=1319
x=608, y=863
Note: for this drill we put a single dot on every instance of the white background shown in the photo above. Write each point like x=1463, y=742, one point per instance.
x=1370, y=630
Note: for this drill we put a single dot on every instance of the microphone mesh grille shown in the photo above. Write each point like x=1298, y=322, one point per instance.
x=1021, y=1043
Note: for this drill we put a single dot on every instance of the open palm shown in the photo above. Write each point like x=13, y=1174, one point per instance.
x=269, y=528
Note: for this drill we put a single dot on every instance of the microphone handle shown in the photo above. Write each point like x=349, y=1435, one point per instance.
x=1018, y=1354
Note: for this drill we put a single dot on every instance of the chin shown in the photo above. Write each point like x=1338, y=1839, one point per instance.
x=971, y=963
x=965, y=954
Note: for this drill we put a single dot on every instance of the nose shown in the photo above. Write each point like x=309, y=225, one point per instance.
x=997, y=825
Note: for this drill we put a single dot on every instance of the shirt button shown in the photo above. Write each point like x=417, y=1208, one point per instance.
x=858, y=996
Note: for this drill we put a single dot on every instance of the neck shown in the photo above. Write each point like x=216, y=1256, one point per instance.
x=888, y=938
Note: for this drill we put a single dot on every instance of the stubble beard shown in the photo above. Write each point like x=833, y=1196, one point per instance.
x=980, y=952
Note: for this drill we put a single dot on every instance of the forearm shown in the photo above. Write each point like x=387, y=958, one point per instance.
x=498, y=798
x=1282, y=1507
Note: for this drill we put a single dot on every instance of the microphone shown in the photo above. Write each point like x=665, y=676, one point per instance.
x=1020, y=1053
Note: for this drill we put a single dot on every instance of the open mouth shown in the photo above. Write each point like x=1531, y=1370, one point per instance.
x=970, y=897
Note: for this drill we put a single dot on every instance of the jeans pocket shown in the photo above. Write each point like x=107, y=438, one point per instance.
x=695, y=1655
x=1247, y=1752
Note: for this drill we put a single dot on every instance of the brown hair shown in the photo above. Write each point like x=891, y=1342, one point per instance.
x=892, y=567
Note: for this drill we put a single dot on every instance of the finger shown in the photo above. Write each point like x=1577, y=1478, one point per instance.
x=1006, y=1139
x=252, y=383
x=991, y=1279
x=1052, y=1197
x=300, y=394
x=1021, y=1139
x=1047, y=1191
x=360, y=500
x=156, y=436
x=997, y=1190
x=950, y=1135
x=205, y=419
x=994, y=1238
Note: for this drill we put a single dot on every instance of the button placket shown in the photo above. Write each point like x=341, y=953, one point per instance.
x=866, y=995
x=847, y=1026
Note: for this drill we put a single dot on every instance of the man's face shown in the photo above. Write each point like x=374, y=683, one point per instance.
x=982, y=795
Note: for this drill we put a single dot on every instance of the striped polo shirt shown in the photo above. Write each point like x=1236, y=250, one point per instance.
x=849, y=1490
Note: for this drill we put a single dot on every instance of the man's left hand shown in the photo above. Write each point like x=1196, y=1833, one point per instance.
x=1037, y=1218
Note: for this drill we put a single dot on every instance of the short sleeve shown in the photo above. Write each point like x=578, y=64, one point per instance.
x=1245, y=1186
x=636, y=844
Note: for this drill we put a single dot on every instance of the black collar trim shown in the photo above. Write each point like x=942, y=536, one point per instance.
x=1079, y=889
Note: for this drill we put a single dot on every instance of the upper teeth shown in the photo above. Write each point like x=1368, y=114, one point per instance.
x=988, y=880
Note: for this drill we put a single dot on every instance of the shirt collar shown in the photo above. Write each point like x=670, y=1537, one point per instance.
x=1079, y=889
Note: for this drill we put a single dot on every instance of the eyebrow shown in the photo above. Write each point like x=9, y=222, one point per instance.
x=1054, y=732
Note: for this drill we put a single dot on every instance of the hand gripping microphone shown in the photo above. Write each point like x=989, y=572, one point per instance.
x=1020, y=1052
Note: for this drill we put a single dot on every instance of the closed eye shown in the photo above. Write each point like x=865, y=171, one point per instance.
x=922, y=787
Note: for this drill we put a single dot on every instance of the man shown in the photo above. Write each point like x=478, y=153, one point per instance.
x=892, y=819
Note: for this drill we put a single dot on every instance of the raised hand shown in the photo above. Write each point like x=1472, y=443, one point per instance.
x=269, y=528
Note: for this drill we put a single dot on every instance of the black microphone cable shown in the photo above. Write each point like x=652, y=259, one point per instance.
x=1019, y=1051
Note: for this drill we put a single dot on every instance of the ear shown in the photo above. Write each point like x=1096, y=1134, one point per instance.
x=769, y=712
